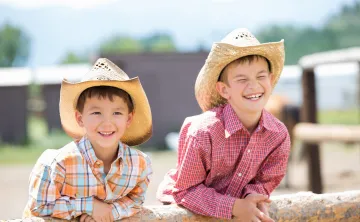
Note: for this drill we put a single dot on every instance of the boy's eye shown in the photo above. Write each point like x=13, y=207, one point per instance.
x=261, y=77
x=241, y=80
x=117, y=113
x=95, y=113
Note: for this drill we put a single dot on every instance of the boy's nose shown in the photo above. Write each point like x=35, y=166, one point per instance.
x=253, y=84
x=107, y=121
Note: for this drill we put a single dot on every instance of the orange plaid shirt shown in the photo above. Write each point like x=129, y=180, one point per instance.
x=64, y=182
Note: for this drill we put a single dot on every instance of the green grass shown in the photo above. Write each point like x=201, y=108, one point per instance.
x=348, y=117
x=39, y=140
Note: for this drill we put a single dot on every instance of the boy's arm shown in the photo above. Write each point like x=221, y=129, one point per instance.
x=271, y=172
x=131, y=203
x=45, y=197
x=189, y=189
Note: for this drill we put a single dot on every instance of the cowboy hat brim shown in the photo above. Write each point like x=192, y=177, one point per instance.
x=221, y=55
x=139, y=130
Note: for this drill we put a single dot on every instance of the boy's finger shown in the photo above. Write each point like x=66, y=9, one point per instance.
x=263, y=208
x=109, y=217
x=259, y=198
x=268, y=200
x=83, y=217
x=266, y=218
x=89, y=219
x=263, y=217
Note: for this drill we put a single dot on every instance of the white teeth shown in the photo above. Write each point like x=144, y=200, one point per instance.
x=254, y=96
x=106, y=133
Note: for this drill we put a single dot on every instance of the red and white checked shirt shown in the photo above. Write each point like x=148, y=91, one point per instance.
x=218, y=161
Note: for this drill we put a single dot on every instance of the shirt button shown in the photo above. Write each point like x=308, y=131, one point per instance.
x=248, y=151
x=239, y=174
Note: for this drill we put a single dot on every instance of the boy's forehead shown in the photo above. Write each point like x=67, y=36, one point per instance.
x=244, y=65
x=96, y=101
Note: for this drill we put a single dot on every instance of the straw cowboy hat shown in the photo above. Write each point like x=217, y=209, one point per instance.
x=106, y=73
x=236, y=44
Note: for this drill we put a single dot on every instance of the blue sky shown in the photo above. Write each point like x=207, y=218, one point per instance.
x=58, y=26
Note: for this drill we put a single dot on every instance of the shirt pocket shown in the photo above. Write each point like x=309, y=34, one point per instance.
x=69, y=190
x=123, y=184
x=80, y=185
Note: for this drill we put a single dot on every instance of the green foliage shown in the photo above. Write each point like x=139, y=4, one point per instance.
x=14, y=46
x=72, y=58
x=340, y=31
x=121, y=44
x=347, y=117
x=159, y=43
x=127, y=44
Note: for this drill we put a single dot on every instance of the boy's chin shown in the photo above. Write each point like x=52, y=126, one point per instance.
x=254, y=110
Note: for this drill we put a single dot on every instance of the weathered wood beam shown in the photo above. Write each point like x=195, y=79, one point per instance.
x=316, y=133
x=330, y=57
x=303, y=206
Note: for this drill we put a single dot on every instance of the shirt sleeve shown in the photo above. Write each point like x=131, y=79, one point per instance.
x=45, y=197
x=271, y=172
x=190, y=190
x=132, y=202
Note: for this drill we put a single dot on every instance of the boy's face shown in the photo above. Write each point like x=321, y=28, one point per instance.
x=249, y=86
x=104, y=121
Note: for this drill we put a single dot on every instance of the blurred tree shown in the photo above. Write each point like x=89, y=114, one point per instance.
x=299, y=41
x=346, y=26
x=72, y=58
x=121, y=44
x=159, y=43
x=340, y=31
x=14, y=46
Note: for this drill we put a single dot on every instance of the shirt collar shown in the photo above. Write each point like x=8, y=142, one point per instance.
x=233, y=123
x=231, y=120
x=268, y=122
x=88, y=151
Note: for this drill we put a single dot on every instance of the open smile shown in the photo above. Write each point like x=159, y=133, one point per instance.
x=254, y=97
x=106, y=134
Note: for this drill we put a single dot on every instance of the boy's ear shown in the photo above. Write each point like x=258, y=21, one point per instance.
x=130, y=118
x=78, y=118
x=221, y=88
x=272, y=78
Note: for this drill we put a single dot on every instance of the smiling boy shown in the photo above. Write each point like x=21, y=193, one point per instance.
x=99, y=177
x=233, y=155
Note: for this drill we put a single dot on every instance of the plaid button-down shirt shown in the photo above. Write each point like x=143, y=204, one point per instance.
x=219, y=161
x=64, y=182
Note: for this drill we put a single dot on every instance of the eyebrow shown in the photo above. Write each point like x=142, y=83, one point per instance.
x=242, y=75
x=97, y=107
x=94, y=107
x=262, y=71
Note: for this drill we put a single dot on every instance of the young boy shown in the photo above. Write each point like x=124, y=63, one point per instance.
x=232, y=156
x=97, y=177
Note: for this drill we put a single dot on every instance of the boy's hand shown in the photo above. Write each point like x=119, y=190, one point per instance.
x=262, y=206
x=102, y=211
x=86, y=218
x=246, y=209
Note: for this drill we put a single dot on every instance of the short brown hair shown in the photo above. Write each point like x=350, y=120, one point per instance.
x=104, y=92
x=250, y=58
